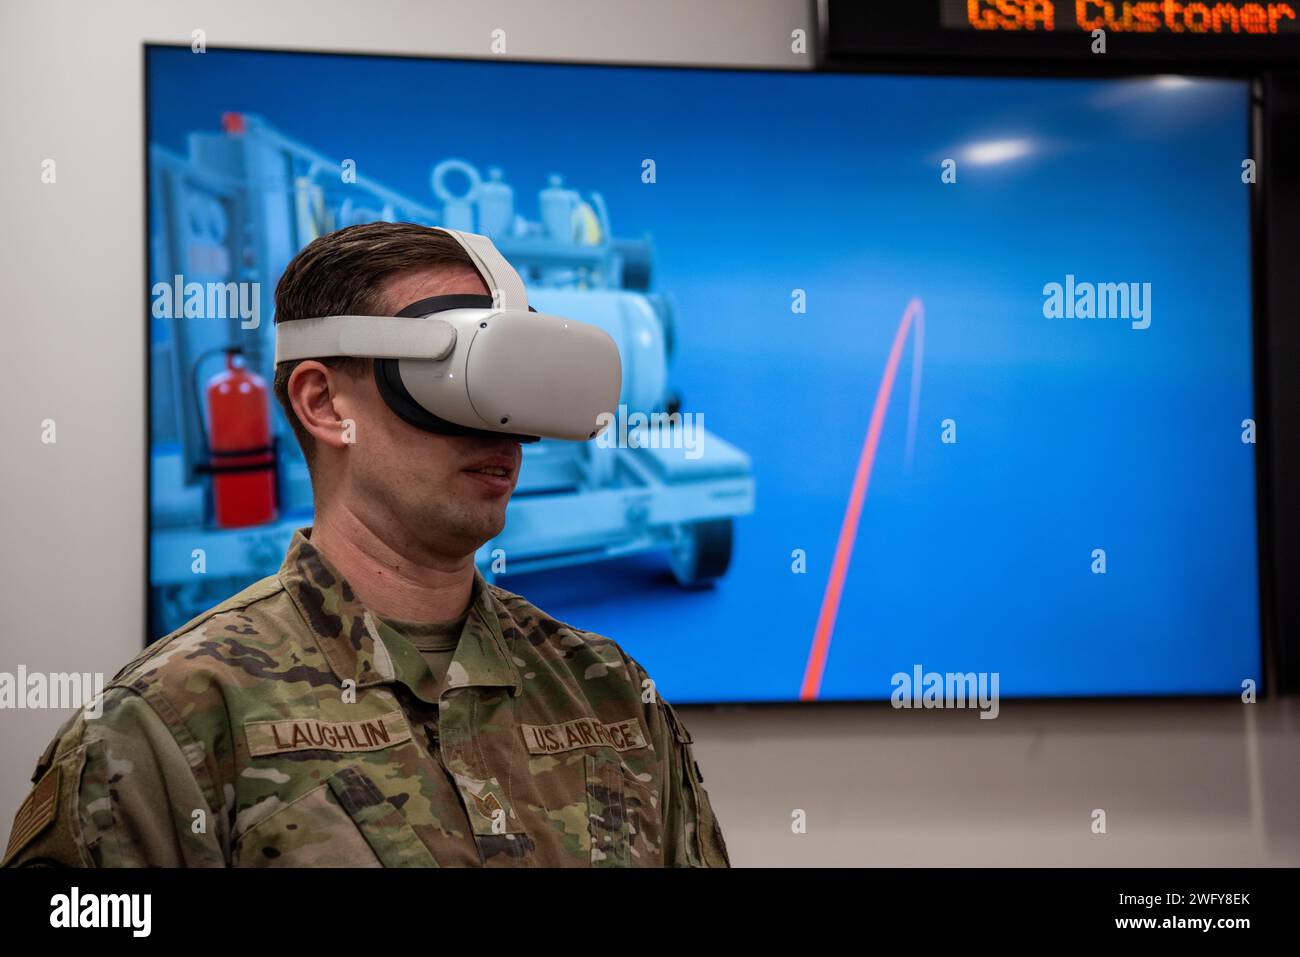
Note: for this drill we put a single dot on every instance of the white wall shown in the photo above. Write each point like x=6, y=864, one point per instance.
x=1183, y=783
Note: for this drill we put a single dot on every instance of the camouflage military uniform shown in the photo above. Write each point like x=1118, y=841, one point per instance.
x=288, y=727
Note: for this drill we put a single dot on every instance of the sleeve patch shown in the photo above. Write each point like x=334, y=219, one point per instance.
x=36, y=812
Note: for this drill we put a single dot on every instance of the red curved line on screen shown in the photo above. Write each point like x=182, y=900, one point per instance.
x=914, y=401
x=812, y=677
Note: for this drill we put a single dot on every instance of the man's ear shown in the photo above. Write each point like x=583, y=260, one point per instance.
x=319, y=400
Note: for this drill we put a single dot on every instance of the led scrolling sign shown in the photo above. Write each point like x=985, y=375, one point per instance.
x=1159, y=17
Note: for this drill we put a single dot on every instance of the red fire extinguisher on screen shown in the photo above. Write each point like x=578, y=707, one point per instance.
x=241, y=453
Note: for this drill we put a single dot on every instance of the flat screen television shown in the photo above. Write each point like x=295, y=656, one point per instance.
x=961, y=368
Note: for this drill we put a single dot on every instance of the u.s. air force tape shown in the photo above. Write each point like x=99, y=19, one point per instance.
x=625, y=735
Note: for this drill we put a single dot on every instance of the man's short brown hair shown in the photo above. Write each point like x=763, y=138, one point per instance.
x=339, y=274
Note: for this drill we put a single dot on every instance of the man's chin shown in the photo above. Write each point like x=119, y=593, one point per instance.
x=492, y=530
x=481, y=528
x=460, y=533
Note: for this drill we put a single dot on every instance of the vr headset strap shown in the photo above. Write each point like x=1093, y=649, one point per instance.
x=386, y=337
x=495, y=270
x=393, y=337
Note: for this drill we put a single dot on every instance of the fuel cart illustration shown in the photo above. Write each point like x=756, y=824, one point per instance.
x=228, y=484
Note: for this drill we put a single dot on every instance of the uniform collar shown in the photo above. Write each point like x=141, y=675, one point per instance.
x=361, y=648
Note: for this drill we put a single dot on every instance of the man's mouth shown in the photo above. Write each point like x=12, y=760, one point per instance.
x=496, y=472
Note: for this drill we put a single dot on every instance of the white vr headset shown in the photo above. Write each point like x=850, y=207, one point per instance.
x=475, y=365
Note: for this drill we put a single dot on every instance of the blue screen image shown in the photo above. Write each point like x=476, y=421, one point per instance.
x=968, y=361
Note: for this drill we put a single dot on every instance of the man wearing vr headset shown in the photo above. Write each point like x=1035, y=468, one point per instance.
x=377, y=702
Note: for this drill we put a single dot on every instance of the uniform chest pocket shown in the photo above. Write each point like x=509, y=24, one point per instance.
x=625, y=816
x=346, y=821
